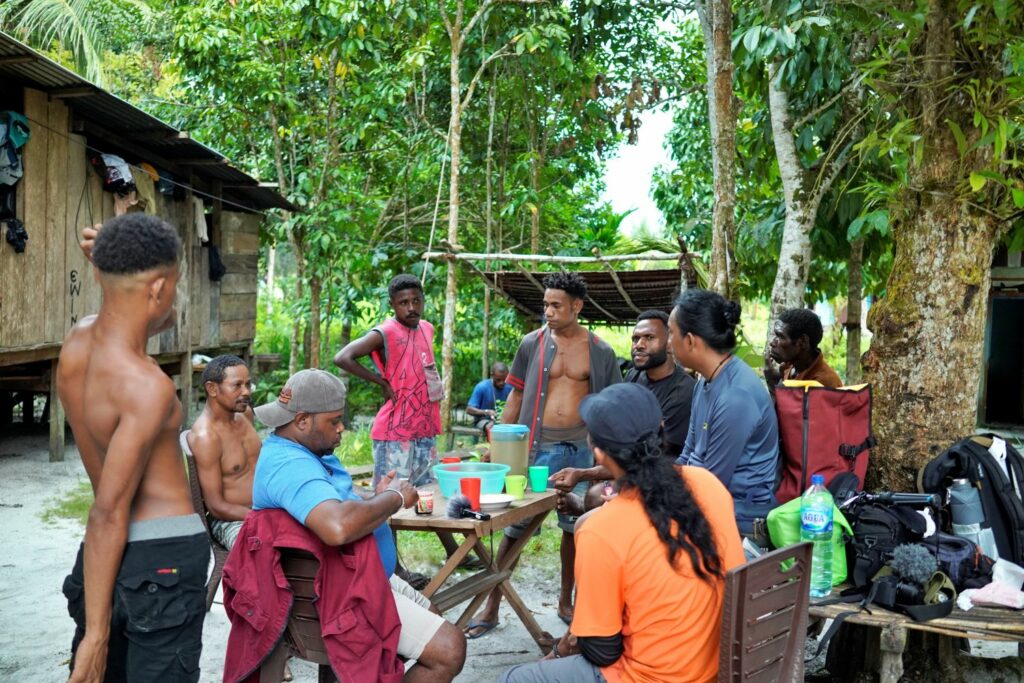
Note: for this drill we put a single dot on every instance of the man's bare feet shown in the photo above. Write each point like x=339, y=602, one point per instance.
x=565, y=613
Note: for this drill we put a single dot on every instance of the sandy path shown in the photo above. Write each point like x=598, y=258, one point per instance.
x=35, y=629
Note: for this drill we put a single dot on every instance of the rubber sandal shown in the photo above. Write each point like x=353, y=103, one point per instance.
x=417, y=580
x=487, y=627
x=565, y=620
x=471, y=563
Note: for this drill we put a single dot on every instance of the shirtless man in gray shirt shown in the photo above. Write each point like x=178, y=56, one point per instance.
x=554, y=368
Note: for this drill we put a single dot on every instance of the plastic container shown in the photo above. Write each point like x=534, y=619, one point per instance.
x=491, y=475
x=510, y=445
x=816, y=527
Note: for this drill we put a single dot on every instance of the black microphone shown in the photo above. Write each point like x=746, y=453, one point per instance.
x=459, y=507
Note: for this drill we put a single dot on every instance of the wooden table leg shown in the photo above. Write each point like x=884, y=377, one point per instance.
x=893, y=641
x=450, y=566
x=517, y=604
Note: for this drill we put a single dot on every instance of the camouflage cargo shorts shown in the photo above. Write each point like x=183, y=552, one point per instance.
x=411, y=460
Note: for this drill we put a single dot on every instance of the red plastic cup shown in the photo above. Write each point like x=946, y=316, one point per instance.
x=471, y=489
x=451, y=461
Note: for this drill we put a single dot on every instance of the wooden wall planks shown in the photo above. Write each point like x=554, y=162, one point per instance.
x=50, y=287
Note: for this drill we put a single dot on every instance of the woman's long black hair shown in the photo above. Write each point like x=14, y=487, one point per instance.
x=667, y=498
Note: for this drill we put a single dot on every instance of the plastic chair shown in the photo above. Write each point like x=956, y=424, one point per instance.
x=301, y=637
x=220, y=553
x=764, y=618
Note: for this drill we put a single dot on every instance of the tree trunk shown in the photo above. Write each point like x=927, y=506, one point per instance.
x=346, y=337
x=716, y=22
x=451, y=285
x=313, y=345
x=925, y=359
x=801, y=209
x=534, y=186
x=854, y=299
x=306, y=340
x=293, y=347
x=271, y=263
x=485, y=340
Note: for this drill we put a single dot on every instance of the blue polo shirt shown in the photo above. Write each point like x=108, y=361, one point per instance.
x=485, y=397
x=734, y=432
x=291, y=477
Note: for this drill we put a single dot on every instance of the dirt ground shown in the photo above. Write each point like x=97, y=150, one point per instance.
x=35, y=629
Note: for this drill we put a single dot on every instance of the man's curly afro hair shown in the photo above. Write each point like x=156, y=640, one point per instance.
x=135, y=243
x=572, y=284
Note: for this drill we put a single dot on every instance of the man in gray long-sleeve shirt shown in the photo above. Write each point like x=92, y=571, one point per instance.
x=554, y=368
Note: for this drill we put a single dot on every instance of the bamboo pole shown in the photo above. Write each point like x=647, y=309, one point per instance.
x=529, y=276
x=546, y=258
x=618, y=284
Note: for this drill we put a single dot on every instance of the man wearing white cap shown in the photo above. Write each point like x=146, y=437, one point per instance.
x=297, y=471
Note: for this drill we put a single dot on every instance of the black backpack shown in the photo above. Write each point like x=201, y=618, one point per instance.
x=1004, y=512
x=877, y=529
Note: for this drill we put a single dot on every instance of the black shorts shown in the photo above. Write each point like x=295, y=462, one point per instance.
x=156, y=627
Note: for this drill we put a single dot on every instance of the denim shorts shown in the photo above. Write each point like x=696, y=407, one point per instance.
x=558, y=456
x=156, y=627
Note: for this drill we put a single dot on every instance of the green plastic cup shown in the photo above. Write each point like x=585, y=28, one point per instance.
x=515, y=486
x=538, y=478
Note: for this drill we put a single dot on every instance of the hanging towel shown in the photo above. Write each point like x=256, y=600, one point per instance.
x=144, y=189
x=200, y=218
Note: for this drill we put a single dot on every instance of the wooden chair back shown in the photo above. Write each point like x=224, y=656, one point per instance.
x=302, y=637
x=764, y=618
x=220, y=553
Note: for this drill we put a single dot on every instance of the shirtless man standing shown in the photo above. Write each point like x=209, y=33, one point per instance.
x=226, y=446
x=554, y=368
x=142, y=537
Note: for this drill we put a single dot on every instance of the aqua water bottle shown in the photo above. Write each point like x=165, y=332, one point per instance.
x=816, y=527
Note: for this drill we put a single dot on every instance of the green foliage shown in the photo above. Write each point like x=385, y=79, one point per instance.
x=356, y=448
x=79, y=30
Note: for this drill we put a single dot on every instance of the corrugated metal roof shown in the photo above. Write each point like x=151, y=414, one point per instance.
x=125, y=126
x=647, y=289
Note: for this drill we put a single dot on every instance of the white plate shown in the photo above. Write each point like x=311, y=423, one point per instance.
x=491, y=502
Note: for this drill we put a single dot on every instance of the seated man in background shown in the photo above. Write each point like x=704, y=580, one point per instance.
x=483, y=403
x=226, y=446
x=298, y=472
x=794, y=346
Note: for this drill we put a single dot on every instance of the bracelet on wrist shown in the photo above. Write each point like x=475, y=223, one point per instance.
x=401, y=498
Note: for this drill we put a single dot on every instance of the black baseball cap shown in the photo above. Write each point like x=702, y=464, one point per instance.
x=621, y=415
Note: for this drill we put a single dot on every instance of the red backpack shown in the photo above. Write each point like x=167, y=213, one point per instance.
x=822, y=431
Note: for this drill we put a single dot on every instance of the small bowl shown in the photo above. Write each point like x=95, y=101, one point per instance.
x=493, y=502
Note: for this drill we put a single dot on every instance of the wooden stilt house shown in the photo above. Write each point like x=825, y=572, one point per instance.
x=47, y=287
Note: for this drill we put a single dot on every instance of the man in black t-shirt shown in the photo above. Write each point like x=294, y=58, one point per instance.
x=655, y=368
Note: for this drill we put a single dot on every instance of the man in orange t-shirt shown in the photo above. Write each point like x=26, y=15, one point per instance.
x=641, y=616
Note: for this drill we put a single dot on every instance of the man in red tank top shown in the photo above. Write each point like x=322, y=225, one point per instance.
x=402, y=351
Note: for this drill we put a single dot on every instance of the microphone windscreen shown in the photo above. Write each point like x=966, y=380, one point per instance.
x=457, y=506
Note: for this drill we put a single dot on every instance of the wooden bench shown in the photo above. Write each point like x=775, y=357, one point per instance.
x=462, y=425
x=981, y=623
